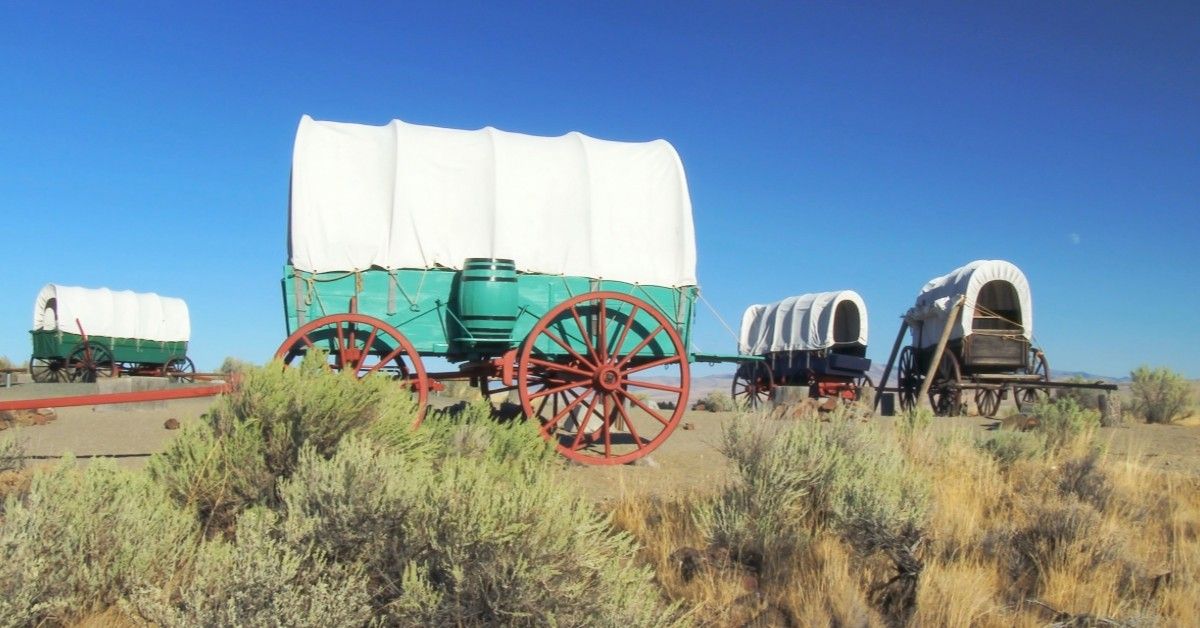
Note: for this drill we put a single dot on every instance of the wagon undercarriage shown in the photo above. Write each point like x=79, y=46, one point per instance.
x=604, y=373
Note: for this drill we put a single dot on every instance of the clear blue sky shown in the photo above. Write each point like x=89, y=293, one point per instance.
x=147, y=146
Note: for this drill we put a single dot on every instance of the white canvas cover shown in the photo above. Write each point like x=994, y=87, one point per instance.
x=799, y=323
x=113, y=313
x=410, y=196
x=928, y=317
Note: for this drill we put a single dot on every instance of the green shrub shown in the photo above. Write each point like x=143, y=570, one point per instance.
x=80, y=541
x=469, y=539
x=12, y=452
x=810, y=477
x=1008, y=446
x=231, y=365
x=718, y=401
x=253, y=436
x=1160, y=395
x=259, y=580
x=1063, y=422
x=914, y=421
x=217, y=476
x=5, y=363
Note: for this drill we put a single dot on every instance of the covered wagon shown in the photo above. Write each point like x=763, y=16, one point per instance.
x=988, y=308
x=561, y=268
x=817, y=340
x=80, y=334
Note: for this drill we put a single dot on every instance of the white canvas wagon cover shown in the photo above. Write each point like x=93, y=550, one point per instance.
x=928, y=317
x=410, y=196
x=113, y=313
x=801, y=323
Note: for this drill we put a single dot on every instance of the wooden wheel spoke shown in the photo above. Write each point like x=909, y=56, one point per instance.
x=562, y=343
x=606, y=425
x=558, y=389
x=652, y=412
x=637, y=440
x=601, y=332
x=559, y=367
x=362, y=359
x=616, y=348
x=388, y=358
x=641, y=345
x=583, y=333
x=656, y=363
x=652, y=385
x=581, y=426
x=552, y=422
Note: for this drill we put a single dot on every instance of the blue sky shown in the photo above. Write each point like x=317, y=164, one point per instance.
x=869, y=146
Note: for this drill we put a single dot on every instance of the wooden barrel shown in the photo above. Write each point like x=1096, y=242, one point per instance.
x=487, y=300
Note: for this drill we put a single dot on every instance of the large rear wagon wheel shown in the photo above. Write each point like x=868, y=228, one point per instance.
x=363, y=345
x=589, y=369
x=752, y=385
x=89, y=362
x=180, y=369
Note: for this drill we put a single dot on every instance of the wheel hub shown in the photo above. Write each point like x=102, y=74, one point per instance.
x=607, y=378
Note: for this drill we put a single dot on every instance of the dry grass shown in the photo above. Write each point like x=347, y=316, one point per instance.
x=1067, y=535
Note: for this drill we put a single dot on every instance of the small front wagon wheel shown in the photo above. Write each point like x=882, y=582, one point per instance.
x=752, y=385
x=363, y=345
x=48, y=370
x=606, y=376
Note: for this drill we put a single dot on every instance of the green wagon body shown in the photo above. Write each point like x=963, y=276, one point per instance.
x=381, y=217
x=422, y=304
x=50, y=345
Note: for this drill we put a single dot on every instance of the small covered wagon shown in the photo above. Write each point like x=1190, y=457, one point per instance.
x=973, y=329
x=80, y=334
x=561, y=268
x=815, y=340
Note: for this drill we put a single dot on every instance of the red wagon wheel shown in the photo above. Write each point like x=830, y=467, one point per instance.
x=89, y=362
x=585, y=373
x=945, y=395
x=364, y=345
x=1038, y=365
x=908, y=378
x=752, y=385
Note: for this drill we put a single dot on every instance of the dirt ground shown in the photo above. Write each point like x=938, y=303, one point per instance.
x=690, y=460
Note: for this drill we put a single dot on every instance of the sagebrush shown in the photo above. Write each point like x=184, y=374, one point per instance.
x=1160, y=395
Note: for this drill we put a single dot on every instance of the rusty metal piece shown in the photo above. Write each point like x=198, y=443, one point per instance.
x=99, y=399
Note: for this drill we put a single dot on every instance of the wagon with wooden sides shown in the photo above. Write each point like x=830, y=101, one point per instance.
x=972, y=333
x=80, y=334
x=559, y=268
x=815, y=340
